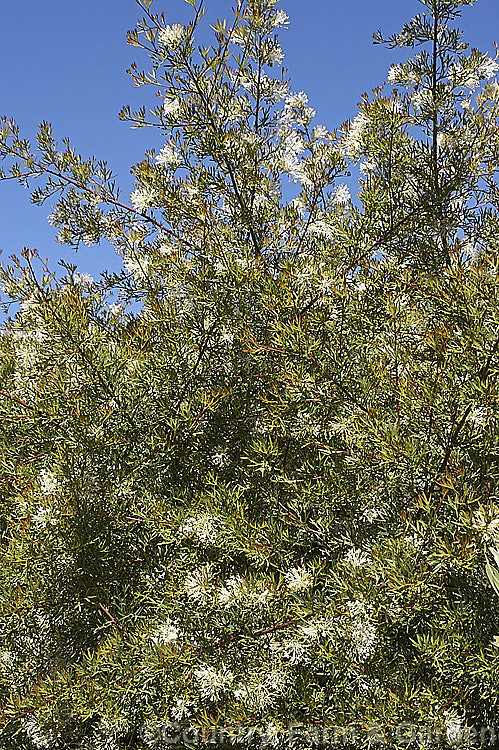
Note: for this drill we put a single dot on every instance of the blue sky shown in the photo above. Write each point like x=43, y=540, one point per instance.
x=65, y=61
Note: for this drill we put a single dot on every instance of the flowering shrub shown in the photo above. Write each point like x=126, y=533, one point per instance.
x=250, y=482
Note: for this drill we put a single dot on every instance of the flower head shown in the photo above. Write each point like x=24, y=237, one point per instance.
x=169, y=156
x=198, y=584
x=171, y=36
x=142, y=198
x=48, y=482
x=212, y=682
x=298, y=579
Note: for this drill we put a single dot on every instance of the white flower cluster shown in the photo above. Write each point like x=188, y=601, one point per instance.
x=319, y=228
x=469, y=78
x=167, y=632
x=352, y=138
x=213, y=683
x=402, y=74
x=137, y=265
x=169, y=156
x=181, y=709
x=48, y=482
x=421, y=99
x=404, y=39
x=43, y=518
x=171, y=106
x=363, y=633
x=293, y=145
x=280, y=19
x=82, y=279
x=299, y=102
x=28, y=350
x=274, y=55
x=205, y=528
x=37, y=737
x=341, y=195
x=298, y=579
x=236, y=590
x=454, y=727
x=260, y=693
x=321, y=132
x=356, y=558
x=487, y=526
x=395, y=73
x=237, y=108
x=367, y=167
x=478, y=415
x=171, y=36
x=269, y=88
x=142, y=198
x=291, y=650
x=199, y=584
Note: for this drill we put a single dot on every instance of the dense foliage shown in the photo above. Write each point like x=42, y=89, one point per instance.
x=252, y=480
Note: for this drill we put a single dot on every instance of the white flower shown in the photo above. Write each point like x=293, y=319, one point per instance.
x=271, y=735
x=43, y=517
x=198, y=584
x=237, y=108
x=298, y=174
x=277, y=682
x=232, y=592
x=142, y=198
x=212, y=682
x=478, y=415
x=404, y=39
x=363, y=633
x=36, y=735
x=421, y=99
x=29, y=303
x=321, y=228
x=237, y=590
x=204, y=527
x=115, y=308
x=181, y=709
x=275, y=55
x=465, y=104
x=321, y=132
x=171, y=36
x=260, y=693
x=356, y=558
x=453, y=727
x=352, y=140
x=169, y=156
x=369, y=514
x=82, y=278
x=171, y=107
x=298, y=579
x=7, y=659
x=395, y=73
x=281, y=19
x=138, y=266
x=48, y=482
x=341, y=195
x=489, y=68
x=291, y=650
x=366, y=167
x=486, y=526
x=297, y=100
x=167, y=632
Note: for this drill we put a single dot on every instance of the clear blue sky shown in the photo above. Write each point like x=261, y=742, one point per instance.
x=64, y=61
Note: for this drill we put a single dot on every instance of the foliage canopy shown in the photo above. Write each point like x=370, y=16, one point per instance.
x=252, y=479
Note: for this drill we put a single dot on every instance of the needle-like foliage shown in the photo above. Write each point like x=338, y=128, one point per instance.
x=250, y=484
